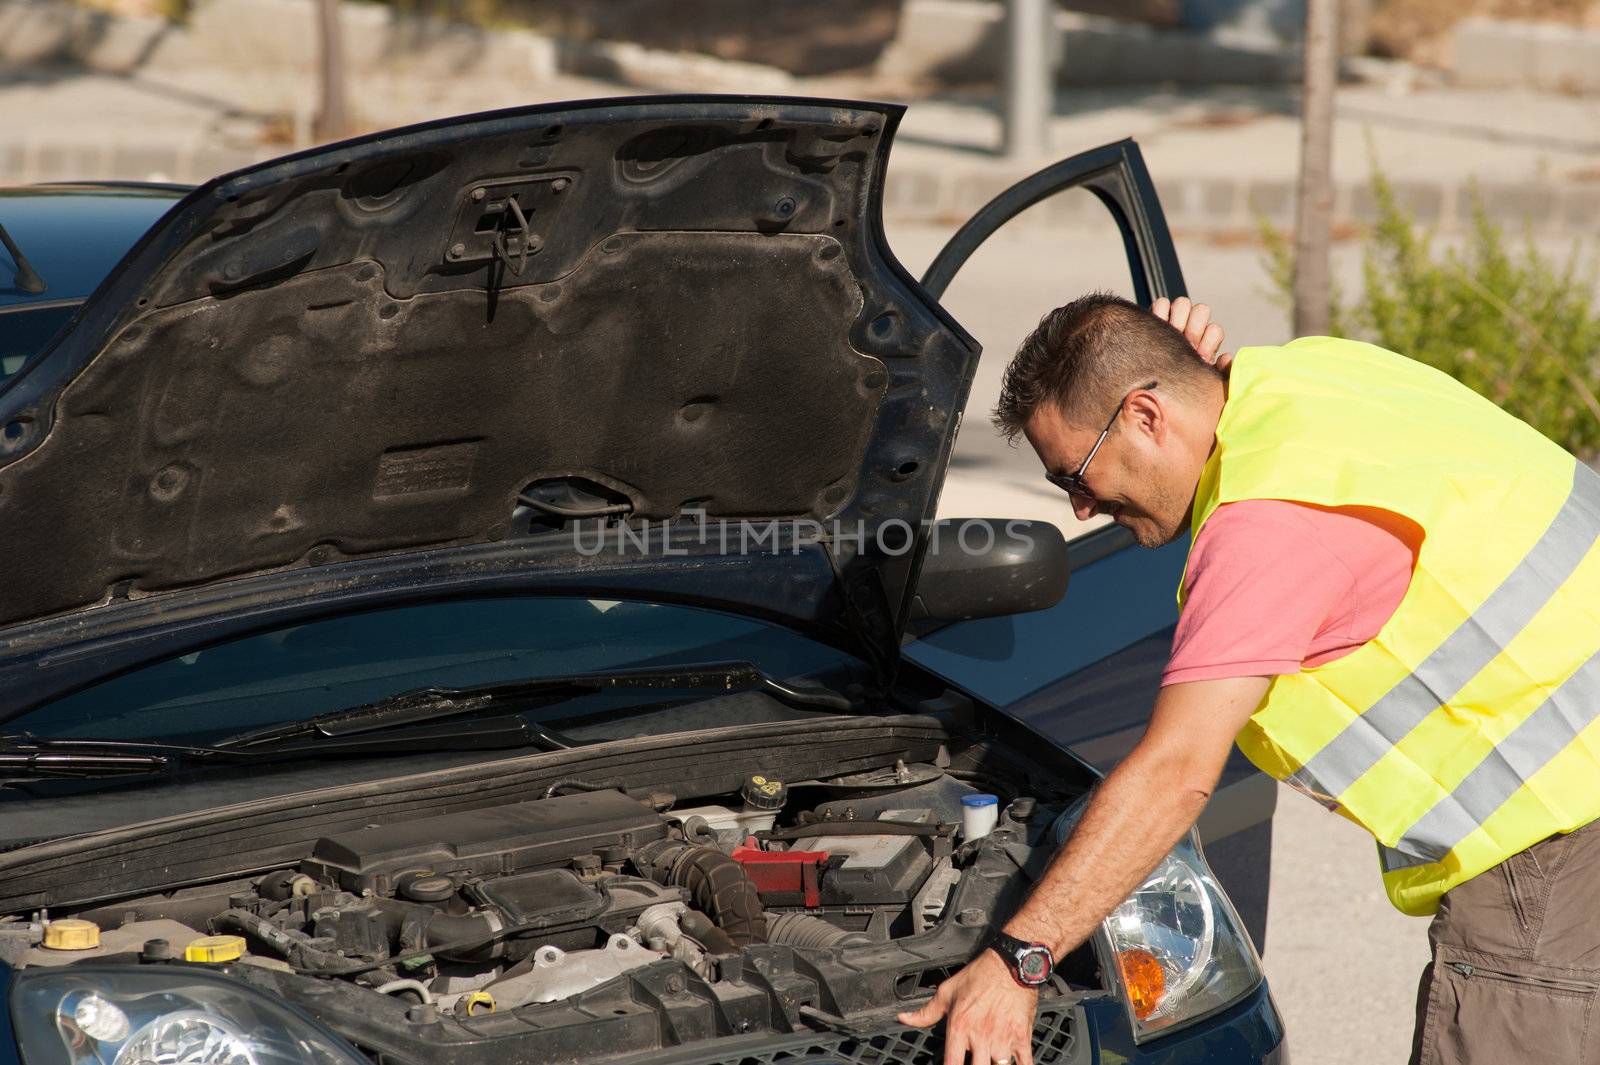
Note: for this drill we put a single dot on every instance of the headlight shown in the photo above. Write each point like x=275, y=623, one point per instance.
x=1176, y=948
x=165, y=1016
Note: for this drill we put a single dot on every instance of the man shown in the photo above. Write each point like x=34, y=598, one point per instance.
x=1392, y=602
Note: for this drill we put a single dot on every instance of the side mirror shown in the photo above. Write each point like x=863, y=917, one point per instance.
x=990, y=567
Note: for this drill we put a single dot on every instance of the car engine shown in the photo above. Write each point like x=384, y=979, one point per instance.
x=495, y=934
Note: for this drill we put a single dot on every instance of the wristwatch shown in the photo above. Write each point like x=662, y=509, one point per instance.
x=1030, y=963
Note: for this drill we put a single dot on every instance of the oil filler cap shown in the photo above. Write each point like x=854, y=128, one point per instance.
x=69, y=933
x=764, y=793
x=214, y=949
x=425, y=887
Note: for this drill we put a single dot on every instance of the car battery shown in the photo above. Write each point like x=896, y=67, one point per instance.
x=869, y=869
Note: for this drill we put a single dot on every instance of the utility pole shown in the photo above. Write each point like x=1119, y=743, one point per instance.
x=1314, y=210
x=1027, y=78
x=333, y=113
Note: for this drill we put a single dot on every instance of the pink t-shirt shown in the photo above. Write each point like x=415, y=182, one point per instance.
x=1273, y=586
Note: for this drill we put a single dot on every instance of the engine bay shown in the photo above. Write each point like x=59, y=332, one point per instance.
x=509, y=932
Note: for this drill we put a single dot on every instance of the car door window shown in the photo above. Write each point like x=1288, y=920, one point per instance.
x=1091, y=222
x=1105, y=229
x=1052, y=252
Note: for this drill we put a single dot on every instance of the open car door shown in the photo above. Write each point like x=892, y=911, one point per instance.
x=1086, y=672
x=1116, y=174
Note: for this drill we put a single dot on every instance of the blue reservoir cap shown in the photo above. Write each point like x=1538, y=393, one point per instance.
x=984, y=799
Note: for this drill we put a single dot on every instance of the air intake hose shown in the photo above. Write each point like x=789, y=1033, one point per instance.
x=717, y=885
x=806, y=930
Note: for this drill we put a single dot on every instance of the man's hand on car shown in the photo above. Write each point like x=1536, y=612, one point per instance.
x=1193, y=320
x=986, y=1012
x=1133, y=818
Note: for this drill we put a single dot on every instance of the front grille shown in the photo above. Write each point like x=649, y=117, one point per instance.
x=1055, y=1042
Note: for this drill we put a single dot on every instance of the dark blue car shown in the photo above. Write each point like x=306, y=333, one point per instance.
x=473, y=596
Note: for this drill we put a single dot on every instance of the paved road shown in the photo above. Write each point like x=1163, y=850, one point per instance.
x=1342, y=963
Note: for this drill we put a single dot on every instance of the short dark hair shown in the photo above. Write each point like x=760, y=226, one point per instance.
x=1087, y=355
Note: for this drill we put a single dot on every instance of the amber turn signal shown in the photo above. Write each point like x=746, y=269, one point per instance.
x=1145, y=980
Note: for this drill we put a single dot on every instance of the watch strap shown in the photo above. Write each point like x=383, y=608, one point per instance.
x=1012, y=950
x=1007, y=945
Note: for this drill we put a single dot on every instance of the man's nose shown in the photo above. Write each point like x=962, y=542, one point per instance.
x=1083, y=506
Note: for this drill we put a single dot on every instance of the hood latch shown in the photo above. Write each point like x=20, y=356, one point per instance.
x=501, y=220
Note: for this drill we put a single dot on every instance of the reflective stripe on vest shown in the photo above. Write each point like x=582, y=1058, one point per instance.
x=1458, y=734
x=1462, y=656
x=1544, y=734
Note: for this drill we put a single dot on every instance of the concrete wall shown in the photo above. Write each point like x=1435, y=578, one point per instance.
x=263, y=51
x=40, y=31
x=270, y=35
x=1495, y=52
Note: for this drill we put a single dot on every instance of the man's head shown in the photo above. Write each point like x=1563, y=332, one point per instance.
x=1103, y=358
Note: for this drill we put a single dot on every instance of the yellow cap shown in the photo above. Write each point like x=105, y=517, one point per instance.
x=478, y=1002
x=214, y=949
x=69, y=933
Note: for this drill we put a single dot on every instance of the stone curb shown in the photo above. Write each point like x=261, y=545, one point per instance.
x=924, y=190
x=930, y=191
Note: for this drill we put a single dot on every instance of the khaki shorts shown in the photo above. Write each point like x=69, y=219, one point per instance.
x=1516, y=962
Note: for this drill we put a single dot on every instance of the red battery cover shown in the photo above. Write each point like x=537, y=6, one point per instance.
x=783, y=870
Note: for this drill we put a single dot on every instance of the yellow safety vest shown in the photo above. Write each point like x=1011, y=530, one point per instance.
x=1466, y=729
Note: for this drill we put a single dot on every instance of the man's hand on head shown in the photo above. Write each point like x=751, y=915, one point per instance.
x=1193, y=320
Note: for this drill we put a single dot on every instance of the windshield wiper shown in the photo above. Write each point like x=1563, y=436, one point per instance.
x=421, y=705
x=25, y=758
x=411, y=722
x=19, y=766
x=27, y=278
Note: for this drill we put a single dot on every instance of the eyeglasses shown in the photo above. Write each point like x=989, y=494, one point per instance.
x=1072, y=483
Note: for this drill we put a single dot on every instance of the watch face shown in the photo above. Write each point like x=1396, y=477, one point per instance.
x=1033, y=966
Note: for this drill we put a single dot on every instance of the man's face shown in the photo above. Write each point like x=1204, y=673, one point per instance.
x=1144, y=474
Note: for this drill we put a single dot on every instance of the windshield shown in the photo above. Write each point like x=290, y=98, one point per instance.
x=72, y=235
x=26, y=331
x=294, y=673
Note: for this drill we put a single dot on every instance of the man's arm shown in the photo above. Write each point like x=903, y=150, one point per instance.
x=1133, y=819
x=1141, y=810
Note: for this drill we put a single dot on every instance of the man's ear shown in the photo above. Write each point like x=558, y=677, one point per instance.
x=1149, y=416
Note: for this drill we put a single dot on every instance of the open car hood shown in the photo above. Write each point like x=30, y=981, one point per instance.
x=338, y=379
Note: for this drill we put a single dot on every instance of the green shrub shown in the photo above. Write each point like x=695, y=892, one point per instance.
x=1519, y=327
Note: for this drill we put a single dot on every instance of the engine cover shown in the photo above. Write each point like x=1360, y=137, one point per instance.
x=486, y=843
